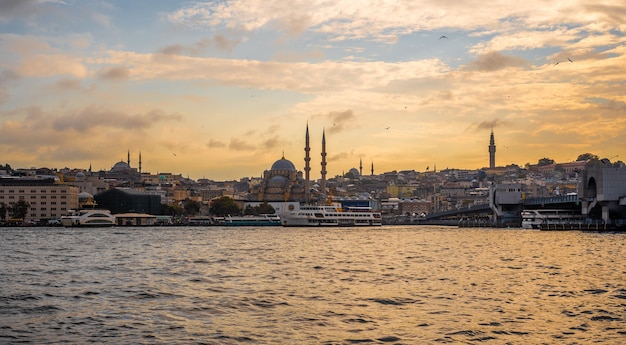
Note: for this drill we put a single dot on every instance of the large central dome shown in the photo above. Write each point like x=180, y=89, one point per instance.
x=283, y=164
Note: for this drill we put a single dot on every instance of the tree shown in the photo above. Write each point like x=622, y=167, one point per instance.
x=263, y=208
x=171, y=210
x=3, y=211
x=20, y=209
x=224, y=206
x=192, y=207
x=587, y=156
x=545, y=161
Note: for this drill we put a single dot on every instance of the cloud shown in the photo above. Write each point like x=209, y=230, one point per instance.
x=117, y=73
x=494, y=61
x=67, y=83
x=51, y=65
x=240, y=145
x=340, y=120
x=93, y=117
x=220, y=42
x=215, y=144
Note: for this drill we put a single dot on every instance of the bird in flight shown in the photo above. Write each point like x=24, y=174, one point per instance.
x=446, y=37
x=387, y=128
x=570, y=60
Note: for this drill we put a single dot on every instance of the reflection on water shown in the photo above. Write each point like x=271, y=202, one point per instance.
x=389, y=285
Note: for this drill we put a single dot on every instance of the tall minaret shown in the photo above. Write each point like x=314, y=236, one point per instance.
x=361, y=167
x=139, y=161
x=307, y=167
x=323, y=183
x=492, y=151
x=372, y=168
x=128, y=159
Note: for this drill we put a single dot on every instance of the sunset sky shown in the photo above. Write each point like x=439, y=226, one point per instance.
x=220, y=89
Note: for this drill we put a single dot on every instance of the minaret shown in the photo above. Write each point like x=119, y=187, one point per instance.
x=372, y=168
x=139, y=161
x=361, y=167
x=128, y=159
x=323, y=183
x=492, y=151
x=307, y=167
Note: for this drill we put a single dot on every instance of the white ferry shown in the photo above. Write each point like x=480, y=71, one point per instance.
x=261, y=220
x=331, y=215
x=535, y=219
x=88, y=218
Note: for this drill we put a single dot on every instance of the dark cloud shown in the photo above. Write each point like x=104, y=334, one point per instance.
x=17, y=9
x=272, y=142
x=495, y=61
x=489, y=124
x=67, y=83
x=8, y=75
x=220, y=42
x=91, y=117
x=118, y=73
x=215, y=143
x=240, y=145
x=340, y=120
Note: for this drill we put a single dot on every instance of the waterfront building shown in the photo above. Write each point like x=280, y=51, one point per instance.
x=48, y=198
x=127, y=200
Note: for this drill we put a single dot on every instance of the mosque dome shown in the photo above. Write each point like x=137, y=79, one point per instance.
x=80, y=176
x=283, y=164
x=354, y=172
x=120, y=166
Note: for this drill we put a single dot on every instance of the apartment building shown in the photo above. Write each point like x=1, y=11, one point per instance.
x=47, y=198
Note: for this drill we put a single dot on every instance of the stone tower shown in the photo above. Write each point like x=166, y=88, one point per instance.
x=492, y=151
x=323, y=182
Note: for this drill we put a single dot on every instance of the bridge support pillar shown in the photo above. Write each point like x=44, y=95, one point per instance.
x=605, y=214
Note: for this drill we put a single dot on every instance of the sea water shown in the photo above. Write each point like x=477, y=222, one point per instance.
x=273, y=285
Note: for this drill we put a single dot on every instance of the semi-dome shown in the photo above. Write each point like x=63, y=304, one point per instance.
x=283, y=164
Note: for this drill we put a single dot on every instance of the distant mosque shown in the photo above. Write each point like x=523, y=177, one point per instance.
x=122, y=171
x=284, y=183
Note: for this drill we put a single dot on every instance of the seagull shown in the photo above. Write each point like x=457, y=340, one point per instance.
x=446, y=37
x=173, y=153
x=387, y=128
x=570, y=60
x=557, y=63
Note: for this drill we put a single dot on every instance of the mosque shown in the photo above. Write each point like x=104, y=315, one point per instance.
x=283, y=183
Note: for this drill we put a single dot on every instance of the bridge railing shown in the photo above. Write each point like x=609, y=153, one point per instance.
x=560, y=199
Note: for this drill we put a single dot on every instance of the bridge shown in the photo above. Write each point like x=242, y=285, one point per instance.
x=601, y=198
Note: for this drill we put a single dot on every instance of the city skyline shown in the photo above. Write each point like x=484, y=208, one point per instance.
x=223, y=89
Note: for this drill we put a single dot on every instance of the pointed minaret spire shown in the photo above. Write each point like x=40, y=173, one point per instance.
x=492, y=151
x=372, y=168
x=139, y=161
x=323, y=182
x=307, y=166
x=128, y=159
x=361, y=166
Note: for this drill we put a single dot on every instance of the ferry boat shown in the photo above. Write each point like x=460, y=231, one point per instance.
x=261, y=220
x=542, y=218
x=88, y=218
x=331, y=215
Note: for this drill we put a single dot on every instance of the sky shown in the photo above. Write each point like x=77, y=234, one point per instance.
x=222, y=89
